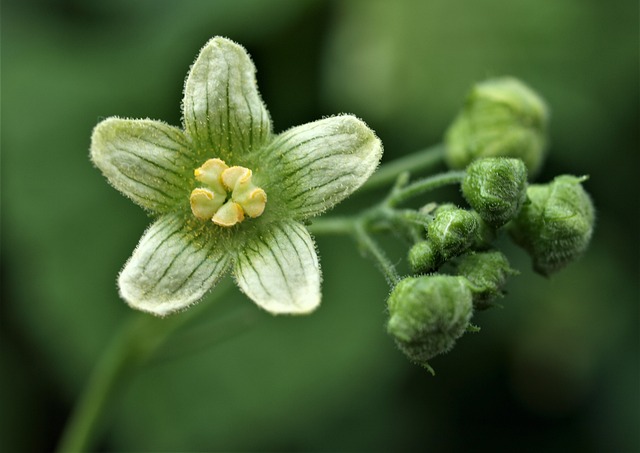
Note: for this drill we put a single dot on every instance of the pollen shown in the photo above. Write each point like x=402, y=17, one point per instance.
x=228, y=195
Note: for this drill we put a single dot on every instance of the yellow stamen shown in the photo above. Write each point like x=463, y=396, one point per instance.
x=233, y=176
x=255, y=203
x=210, y=174
x=229, y=195
x=228, y=215
x=205, y=203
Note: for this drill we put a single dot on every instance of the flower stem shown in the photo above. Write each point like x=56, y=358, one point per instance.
x=373, y=249
x=136, y=341
x=106, y=374
x=414, y=163
x=382, y=216
x=425, y=185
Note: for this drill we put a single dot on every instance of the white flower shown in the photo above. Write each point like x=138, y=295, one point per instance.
x=227, y=193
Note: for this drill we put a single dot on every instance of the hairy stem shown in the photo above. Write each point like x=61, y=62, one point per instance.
x=373, y=249
x=383, y=217
x=425, y=185
x=417, y=162
x=396, y=172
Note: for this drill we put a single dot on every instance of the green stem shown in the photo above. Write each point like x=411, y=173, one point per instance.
x=425, y=185
x=385, y=175
x=136, y=341
x=414, y=217
x=414, y=163
x=374, y=250
x=395, y=172
x=106, y=374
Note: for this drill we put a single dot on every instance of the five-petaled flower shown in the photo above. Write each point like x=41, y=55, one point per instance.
x=227, y=193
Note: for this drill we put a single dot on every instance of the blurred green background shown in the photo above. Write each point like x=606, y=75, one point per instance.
x=557, y=369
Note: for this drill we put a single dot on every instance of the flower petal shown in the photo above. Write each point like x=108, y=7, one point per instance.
x=171, y=268
x=321, y=163
x=279, y=270
x=223, y=112
x=145, y=160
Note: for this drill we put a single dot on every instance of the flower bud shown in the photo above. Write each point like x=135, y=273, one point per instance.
x=556, y=226
x=423, y=257
x=501, y=117
x=487, y=273
x=428, y=314
x=485, y=234
x=496, y=187
x=452, y=231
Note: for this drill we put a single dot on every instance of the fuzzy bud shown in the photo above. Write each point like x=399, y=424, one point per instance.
x=556, y=226
x=487, y=273
x=428, y=314
x=501, y=117
x=423, y=257
x=452, y=231
x=485, y=234
x=496, y=187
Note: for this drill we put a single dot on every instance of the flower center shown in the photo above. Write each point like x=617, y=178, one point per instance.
x=228, y=195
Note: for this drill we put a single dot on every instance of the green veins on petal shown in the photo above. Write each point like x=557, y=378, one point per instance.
x=143, y=159
x=201, y=230
x=280, y=269
x=319, y=164
x=171, y=268
x=223, y=113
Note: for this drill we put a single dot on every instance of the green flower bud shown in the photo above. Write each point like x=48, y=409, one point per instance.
x=445, y=207
x=428, y=314
x=556, y=226
x=496, y=187
x=487, y=273
x=452, y=231
x=501, y=117
x=485, y=234
x=423, y=257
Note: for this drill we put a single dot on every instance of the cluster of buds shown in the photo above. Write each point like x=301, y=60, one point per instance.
x=499, y=139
